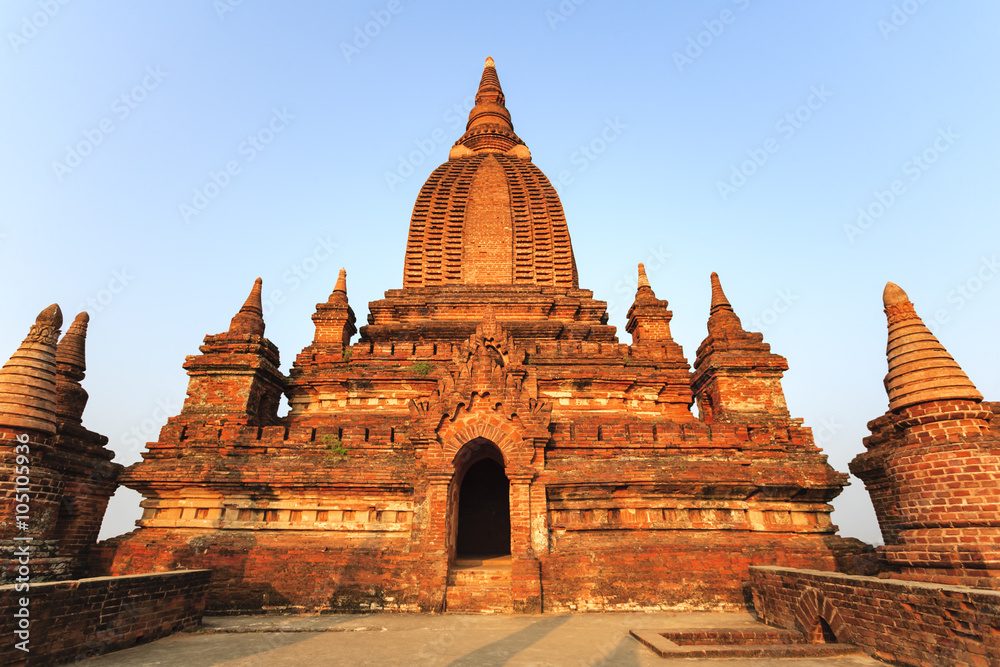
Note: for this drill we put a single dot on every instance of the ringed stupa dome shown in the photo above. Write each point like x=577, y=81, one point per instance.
x=489, y=216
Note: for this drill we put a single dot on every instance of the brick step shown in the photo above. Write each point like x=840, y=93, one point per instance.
x=740, y=637
x=749, y=647
x=479, y=591
x=472, y=577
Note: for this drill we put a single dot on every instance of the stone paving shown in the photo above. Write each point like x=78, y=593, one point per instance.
x=435, y=639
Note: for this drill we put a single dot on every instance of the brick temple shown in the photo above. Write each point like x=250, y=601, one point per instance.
x=485, y=443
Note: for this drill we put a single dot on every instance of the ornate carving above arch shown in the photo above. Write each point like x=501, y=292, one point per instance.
x=487, y=392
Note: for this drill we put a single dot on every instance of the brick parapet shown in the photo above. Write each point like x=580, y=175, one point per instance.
x=901, y=622
x=76, y=619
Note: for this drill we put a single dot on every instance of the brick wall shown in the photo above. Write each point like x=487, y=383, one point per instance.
x=902, y=622
x=71, y=620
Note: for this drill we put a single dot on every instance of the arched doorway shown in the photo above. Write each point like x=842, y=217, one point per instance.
x=483, y=511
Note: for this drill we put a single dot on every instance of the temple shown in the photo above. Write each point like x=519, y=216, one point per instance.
x=486, y=443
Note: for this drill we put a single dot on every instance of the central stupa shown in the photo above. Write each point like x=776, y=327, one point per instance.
x=488, y=216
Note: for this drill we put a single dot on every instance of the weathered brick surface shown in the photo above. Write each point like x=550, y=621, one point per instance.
x=56, y=477
x=901, y=622
x=72, y=620
x=932, y=464
x=932, y=468
x=490, y=350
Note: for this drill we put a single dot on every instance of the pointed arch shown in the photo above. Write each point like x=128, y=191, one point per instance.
x=817, y=619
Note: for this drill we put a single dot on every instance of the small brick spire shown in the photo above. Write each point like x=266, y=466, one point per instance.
x=71, y=366
x=920, y=369
x=644, y=291
x=648, y=320
x=737, y=378
x=335, y=320
x=643, y=280
x=339, y=294
x=250, y=319
x=719, y=300
x=71, y=349
x=28, y=379
x=721, y=316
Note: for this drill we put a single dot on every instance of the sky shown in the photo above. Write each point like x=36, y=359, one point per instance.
x=157, y=157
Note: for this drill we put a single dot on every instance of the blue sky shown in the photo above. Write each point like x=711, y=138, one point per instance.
x=157, y=157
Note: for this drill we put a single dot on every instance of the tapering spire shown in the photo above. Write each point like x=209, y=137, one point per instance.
x=489, y=129
x=643, y=280
x=644, y=291
x=648, y=320
x=737, y=377
x=341, y=285
x=250, y=319
x=335, y=318
x=28, y=380
x=721, y=316
x=71, y=364
x=71, y=349
x=719, y=300
x=920, y=369
x=490, y=103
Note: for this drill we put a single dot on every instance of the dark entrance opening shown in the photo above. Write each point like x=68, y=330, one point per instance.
x=829, y=637
x=484, y=511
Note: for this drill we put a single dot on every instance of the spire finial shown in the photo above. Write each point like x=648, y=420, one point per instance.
x=719, y=300
x=250, y=319
x=51, y=318
x=920, y=369
x=71, y=349
x=489, y=128
x=339, y=294
x=643, y=280
x=71, y=366
x=721, y=317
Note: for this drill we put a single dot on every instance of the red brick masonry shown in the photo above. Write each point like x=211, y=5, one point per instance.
x=904, y=622
x=71, y=620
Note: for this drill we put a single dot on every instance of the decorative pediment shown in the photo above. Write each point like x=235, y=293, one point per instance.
x=487, y=379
